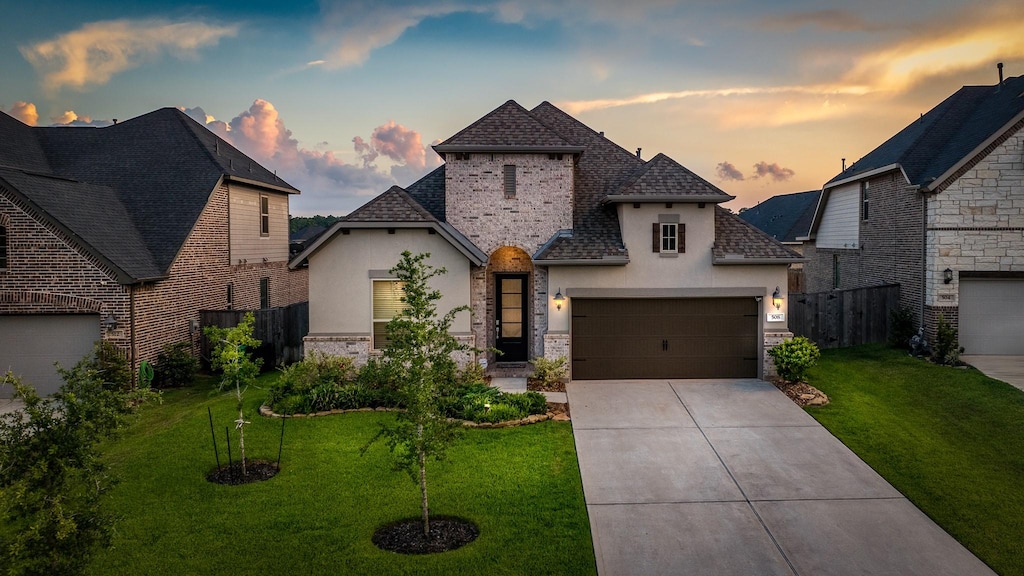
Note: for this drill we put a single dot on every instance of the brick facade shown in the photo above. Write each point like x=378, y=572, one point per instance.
x=891, y=246
x=47, y=274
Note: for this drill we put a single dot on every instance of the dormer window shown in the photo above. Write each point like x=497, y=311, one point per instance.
x=668, y=238
x=668, y=235
x=510, y=181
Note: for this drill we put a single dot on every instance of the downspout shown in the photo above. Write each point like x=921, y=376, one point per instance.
x=131, y=323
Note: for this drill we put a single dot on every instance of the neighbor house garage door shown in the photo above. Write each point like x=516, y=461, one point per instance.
x=29, y=345
x=992, y=315
x=664, y=338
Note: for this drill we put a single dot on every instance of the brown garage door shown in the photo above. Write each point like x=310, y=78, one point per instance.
x=664, y=338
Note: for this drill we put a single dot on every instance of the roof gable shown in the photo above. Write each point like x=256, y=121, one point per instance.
x=662, y=178
x=507, y=127
x=738, y=242
x=784, y=217
x=394, y=205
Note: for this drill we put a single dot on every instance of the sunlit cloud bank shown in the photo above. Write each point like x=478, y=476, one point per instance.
x=94, y=53
x=24, y=111
x=328, y=183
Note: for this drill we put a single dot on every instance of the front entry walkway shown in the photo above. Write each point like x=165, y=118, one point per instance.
x=730, y=477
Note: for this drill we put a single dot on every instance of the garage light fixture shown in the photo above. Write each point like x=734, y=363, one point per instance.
x=947, y=276
x=777, y=298
x=109, y=323
x=559, y=299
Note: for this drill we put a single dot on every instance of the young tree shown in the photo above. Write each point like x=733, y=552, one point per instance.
x=51, y=477
x=420, y=352
x=231, y=356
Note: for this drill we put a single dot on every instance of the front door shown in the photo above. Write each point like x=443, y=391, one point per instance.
x=510, y=317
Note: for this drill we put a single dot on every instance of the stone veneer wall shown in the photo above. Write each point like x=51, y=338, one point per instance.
x=976, y=224
x=357, y=347
x=771, y=339
x=891, y=246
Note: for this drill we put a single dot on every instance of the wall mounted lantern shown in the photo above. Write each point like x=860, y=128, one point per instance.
x=947, y=276
x=777, y=298
x=559, y=299
x=110, y=322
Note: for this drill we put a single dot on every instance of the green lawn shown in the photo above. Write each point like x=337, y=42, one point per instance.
x=951, y=440
x=521, y=486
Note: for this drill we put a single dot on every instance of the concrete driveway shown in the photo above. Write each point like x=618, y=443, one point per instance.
x=1009, y=369
x=730, y=477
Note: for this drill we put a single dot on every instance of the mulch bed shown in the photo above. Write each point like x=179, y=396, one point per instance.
x=255, y=471
x=539, y=386
x=406, y=536
x=801, y=392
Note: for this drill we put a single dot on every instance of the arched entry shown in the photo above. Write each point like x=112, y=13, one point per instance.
x=510, y=303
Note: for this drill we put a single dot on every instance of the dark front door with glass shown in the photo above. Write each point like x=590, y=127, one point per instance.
x=510, y=317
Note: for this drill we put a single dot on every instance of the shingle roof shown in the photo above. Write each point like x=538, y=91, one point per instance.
x=663, y=178
x=162, y=167
x=429, y=192
x=737, y=242
x=939, y=139
x=784, y=217
x=507, y=127
x=19, y=147
x=394, y=205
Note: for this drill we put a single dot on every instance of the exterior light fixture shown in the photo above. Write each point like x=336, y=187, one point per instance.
x=947, y=276
x=777, y=298
x=559, y=299
x=110, y=322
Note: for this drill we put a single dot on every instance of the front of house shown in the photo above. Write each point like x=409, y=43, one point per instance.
x=938, y=209
x=562, y=244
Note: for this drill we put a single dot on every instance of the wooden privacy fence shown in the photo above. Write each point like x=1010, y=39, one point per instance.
x=844, y=318
x=280, y=329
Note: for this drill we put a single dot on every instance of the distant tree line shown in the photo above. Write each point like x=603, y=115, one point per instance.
x=299, y=222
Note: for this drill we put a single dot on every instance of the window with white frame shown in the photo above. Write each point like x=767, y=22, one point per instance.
x=669, y=237
x=264, y=215
x=387, y=303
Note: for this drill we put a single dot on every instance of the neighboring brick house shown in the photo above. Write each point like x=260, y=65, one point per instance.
x=561, y=243
x=124, y=233
x=939, y=210
x=787, y=218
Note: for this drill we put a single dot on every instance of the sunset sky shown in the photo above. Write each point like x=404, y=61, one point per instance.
x=343, y=98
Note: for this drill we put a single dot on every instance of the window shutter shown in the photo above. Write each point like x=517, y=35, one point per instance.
x=681, y=238
x=656, y=241
x=510, y=181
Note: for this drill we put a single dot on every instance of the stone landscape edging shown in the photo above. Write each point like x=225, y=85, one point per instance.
x=267, y=412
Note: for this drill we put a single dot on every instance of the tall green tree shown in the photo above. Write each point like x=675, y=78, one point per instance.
x=420, y=353
x=231, y=355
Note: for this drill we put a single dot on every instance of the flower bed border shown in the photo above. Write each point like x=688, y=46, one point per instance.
x=267, y=412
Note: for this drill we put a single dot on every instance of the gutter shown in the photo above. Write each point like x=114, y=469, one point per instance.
x=258, y=184
x=651, y=199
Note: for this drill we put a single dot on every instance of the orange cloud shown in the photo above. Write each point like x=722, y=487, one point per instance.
x=26, y=112
x=94, y=53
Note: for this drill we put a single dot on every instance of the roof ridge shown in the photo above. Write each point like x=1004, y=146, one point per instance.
x=592, y=131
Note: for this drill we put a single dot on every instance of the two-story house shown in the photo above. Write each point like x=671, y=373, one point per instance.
x=563, y=244
x=125, y=233
x=938, y=209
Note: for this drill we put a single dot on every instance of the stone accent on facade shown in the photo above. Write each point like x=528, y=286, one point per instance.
x=476, y=205
x=354, y=346
x=507, y=260
x=557, y=344
x=772, y=339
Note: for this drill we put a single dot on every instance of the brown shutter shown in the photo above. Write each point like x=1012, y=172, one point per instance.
x=681, y=238
x=656, y=237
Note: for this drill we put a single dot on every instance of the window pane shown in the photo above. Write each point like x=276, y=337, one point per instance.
x=380, y=335
x=668, y=237
x=387, y=299
x=511, y=285
x=512, y=315
x=511, y=330
x=511, y=300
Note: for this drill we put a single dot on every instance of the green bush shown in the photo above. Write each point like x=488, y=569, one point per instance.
x=473, y=373
x=528, y=402
x=175, y=366
x=501, y=413
x=110, y=364
x=901, y=327
x=793, y=358
x=946, y=349
x=312, y=373
x=549, y=371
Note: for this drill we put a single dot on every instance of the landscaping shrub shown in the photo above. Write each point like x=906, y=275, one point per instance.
x=473, y=373
x=527, y=402
x=110, y=365
x=175, y=366
x=793, y=357
x=311, y=373
x=548, y=371
x=946, y=346
x=501, y=413
x=901, y=322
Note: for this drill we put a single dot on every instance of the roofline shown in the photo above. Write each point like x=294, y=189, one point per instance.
x=259, y=184
x=452, y=236
x=444, y=148
x=120, y=275
x=931, y=187
x=658, y=199
x=733, y=261
x=602, y=261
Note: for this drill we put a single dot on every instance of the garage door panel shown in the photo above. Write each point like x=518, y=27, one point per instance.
x=29, y=346
x=665, y=338
x=991, y=314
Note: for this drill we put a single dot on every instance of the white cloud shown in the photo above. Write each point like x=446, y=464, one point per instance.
x=94, y=53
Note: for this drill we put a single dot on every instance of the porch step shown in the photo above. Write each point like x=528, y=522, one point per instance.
x=510, y=370
x=509, y=384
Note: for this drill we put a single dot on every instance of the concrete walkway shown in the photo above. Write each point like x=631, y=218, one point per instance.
x=1009, y=369
x=730, y=477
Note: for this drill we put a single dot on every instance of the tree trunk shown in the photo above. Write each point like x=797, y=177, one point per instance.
x=241, y=439
x=423, y=485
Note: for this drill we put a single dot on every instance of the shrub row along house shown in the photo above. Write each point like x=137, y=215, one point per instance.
x=561, y=243
x=124, y=233
x=938, y=209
